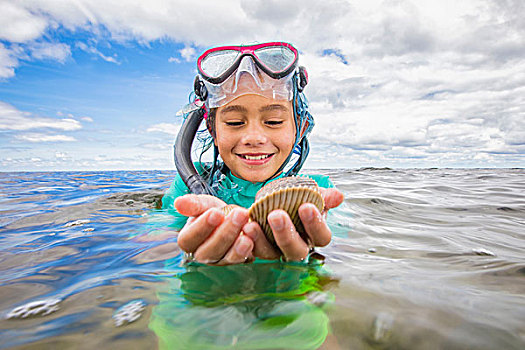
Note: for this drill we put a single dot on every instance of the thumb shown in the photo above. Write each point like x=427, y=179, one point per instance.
x=332, y=197
x=196, y=204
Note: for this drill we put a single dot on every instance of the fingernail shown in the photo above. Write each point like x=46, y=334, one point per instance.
x=243, y=247
x=214, y=218
x=308, y=214
x=276, y=221
x=250, y=231
x=190, y=198
x=193, y=202
x=238, y=217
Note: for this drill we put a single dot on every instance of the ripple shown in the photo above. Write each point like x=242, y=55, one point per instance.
x=420, y=258
x=129, y=312
x=35, y=308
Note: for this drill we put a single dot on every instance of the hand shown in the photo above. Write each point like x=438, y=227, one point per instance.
x=212, y=238
x=293, y=247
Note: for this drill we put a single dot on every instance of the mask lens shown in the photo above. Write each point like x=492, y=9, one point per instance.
x=218, y=62
x=276, y=58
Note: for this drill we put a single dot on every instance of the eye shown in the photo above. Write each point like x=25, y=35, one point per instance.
x=274, y=122
x=234, y=123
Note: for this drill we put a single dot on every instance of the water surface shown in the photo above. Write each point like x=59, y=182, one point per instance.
x=421, y=259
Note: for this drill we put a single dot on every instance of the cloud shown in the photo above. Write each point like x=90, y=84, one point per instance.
x=166, y=128
x=435, y=81
x=62, y=155
x=93, y=50
x=38, y=137
x=14, y=119
x=20, y=24
x=157, y=146
x=188, y=53
x=55, y=51
x=8, y=63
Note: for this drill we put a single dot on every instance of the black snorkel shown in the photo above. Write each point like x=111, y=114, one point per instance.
x=182, y=154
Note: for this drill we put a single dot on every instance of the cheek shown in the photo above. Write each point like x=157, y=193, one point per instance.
x=289, y=137
x=222, y=141
x=286, y=141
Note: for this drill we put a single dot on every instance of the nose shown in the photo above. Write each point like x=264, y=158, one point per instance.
x=254, y=135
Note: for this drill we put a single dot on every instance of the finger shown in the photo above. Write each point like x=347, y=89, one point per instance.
x=195, y=233
x=292, y=245
x=332, y=197
x=315, y=225
x=218, y=244
x=195, y=205
x=262, y=248
x=239, y=253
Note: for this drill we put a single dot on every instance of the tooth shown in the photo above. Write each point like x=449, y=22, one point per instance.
x=264, y=156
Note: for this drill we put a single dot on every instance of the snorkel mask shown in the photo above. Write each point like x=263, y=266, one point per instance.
x=225, y=73
x=271, y=67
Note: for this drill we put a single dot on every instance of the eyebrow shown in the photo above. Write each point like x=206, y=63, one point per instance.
x=273, y=107
x=234, y=108
x=242, y=109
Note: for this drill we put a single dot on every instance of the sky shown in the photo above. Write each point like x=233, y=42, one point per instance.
x=96, y=85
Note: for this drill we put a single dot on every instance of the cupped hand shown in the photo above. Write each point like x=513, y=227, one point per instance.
x=211, y=237
x=292, y=246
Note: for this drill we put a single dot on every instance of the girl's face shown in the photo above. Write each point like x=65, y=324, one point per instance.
x=254, y=135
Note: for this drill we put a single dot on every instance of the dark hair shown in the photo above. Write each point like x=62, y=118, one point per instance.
x=210, y=121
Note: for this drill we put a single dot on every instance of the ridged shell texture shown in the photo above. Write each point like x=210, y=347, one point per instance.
x=288, y=194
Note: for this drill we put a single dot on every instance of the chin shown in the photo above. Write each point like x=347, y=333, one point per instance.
x=255, y=174
x=256, y=178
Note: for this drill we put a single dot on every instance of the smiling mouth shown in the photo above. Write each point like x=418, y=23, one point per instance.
x=255, y=157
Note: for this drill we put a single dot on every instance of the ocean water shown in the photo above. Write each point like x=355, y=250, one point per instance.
x=420, y=259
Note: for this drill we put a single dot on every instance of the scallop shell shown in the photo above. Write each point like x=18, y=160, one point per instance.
x=287, y=193
x=227, y=209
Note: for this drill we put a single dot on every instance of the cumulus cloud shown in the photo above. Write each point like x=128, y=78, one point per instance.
x=427, y=80
x=188, y=53
x=13, y=119
x=19, y=23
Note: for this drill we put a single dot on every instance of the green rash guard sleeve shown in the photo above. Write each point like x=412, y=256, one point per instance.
x=178, y=188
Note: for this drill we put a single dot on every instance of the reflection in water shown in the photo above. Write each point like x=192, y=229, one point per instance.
x=254, y=306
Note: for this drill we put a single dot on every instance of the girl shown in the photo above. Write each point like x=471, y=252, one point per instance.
x=258, y=120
